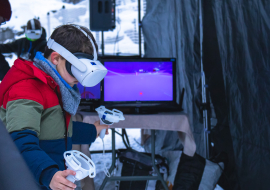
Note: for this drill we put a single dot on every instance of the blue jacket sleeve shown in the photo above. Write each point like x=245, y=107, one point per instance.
x=36, y=159
x=47, y=175
x=83, y=133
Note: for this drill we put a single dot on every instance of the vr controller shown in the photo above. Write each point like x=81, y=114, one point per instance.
x=108, y=117
x=81, y=164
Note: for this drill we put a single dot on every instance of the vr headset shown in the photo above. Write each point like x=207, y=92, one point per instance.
x=33, y=33
x=84, y=67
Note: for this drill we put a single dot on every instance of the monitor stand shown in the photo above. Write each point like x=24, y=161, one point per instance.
x=144, y=110
x=87, y=110
x=134, y=110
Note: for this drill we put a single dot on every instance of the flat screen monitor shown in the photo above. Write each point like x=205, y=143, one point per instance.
x=89, y=93
x=145, y=81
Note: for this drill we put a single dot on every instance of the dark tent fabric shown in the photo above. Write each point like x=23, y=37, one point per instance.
x=220, y=135
x=170, y=29
x=236, y=61
x=243, y=31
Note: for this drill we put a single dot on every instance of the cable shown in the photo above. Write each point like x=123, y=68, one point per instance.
x=228, y=180
x=108, y=117
x=125, y=138
x=107, y=173
x=220, y=167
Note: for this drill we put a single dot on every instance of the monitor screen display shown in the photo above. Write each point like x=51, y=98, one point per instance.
x=138, y=81
x=89, y=92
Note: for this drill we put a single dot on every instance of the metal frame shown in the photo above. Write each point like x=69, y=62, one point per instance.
x=134, y=178
x=140, y=28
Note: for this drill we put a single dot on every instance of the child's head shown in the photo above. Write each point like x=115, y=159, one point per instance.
x=33, y=30
x=74, y=40
x=33, y=24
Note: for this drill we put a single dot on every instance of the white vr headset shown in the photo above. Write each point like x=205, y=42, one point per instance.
x=33, y=33
x=84, y=67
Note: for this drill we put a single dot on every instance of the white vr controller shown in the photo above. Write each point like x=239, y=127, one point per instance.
x=108, y=117
x=81, y=164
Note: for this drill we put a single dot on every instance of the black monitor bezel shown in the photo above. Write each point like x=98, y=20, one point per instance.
x=140, y=103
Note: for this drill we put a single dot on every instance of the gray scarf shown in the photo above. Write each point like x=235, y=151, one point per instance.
x=70, y=97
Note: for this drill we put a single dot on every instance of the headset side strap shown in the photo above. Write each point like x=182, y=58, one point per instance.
x=66, y=54
x=33, y=24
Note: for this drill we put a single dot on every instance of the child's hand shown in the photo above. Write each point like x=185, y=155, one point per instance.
x=100, y=127
x=59, y=180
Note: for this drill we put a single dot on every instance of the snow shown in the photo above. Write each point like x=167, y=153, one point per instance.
x=134, y=138
x=22, y=11
x=11, y=58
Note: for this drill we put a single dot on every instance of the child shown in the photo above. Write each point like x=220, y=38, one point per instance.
x=34, y=114
x=35, y=40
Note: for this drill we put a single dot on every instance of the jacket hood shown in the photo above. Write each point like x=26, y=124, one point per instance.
x=21, y=70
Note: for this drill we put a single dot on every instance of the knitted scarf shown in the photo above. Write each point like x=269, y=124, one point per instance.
x=70, y=97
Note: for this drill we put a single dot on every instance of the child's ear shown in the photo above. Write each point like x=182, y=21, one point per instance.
x=55, y=58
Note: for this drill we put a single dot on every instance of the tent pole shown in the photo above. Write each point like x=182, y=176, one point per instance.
x=204, y=86
x=139, y=28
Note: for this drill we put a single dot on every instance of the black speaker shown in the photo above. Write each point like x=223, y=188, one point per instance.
x=102, y=15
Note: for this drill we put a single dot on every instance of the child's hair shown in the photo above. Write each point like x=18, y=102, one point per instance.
x=37, y=24
x=71, y=38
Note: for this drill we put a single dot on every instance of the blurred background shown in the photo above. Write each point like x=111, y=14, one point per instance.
x=123, y=40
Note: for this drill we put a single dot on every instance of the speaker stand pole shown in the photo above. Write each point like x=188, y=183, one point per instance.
x=102, y=43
